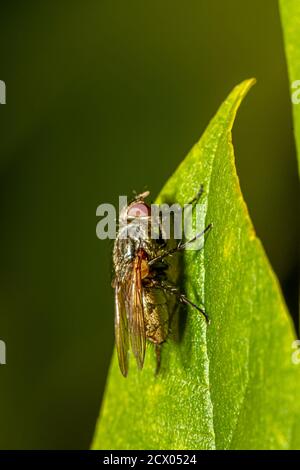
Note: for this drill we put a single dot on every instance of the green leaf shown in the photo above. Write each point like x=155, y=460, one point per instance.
x=231, y=384
x=290, y=17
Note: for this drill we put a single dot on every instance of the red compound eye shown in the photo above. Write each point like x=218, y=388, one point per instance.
x=138, y=209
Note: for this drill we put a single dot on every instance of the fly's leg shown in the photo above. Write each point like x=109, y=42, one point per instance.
x=195, y=198
x=183, y=299
x=180, y=247
x=198, y=195
x=170, y=289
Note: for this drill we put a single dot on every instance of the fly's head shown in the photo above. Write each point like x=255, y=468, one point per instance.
x=135, y=220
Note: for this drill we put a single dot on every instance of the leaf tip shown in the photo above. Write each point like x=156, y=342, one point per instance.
x=242, y=88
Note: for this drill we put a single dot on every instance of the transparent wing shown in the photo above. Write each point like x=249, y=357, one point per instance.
x=121, y=329
x=135, y=312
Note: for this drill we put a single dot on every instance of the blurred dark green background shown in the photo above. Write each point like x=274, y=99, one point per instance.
x=104, y=97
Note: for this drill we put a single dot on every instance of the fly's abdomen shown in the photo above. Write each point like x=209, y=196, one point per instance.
x=156, y=315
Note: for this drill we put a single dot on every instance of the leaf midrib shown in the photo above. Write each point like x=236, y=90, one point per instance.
x=225, y=134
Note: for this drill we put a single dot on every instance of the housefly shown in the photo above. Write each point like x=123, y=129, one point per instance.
x=141, y=283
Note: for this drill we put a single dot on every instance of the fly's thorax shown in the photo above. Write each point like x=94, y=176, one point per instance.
x=134, y=236
x=139, y=230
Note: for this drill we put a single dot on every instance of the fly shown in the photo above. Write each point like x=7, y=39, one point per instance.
x=142, y=285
